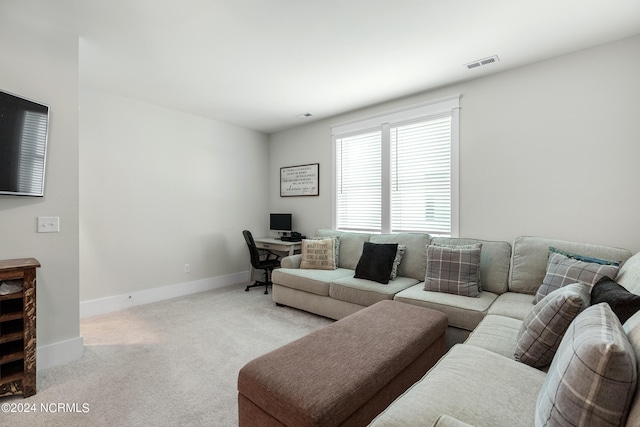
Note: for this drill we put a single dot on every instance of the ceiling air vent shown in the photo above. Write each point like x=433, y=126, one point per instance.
x=481, y=62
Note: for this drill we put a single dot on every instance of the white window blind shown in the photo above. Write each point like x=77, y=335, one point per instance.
x=421, y=176
x=398, y=172
x=359, y=182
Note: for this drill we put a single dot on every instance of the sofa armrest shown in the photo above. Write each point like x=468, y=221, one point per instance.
x=292, y=261
x=448, y=421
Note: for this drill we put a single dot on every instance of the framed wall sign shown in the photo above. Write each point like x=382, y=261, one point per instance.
x=300, y=180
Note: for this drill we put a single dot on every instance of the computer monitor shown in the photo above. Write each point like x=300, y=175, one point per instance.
x=280, y=222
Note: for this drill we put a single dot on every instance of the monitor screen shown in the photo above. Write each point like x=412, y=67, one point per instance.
x=280, y=222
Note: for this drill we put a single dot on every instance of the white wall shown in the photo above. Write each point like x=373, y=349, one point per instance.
x=550, y=149
x=160, y=189
x=41, y=63
x=300, y=146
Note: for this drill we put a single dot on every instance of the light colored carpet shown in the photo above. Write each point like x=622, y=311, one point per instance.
x=169, y=363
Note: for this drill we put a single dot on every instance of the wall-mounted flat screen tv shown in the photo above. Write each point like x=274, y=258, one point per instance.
x=24, y=126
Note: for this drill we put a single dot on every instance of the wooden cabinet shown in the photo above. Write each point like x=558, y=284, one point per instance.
x=18, y=328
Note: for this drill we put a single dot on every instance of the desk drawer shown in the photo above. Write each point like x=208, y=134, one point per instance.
x=281, y=248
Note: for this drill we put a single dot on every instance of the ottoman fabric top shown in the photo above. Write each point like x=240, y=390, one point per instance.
x=322, y=378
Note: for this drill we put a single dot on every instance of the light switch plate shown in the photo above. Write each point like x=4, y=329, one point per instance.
x=48, y=224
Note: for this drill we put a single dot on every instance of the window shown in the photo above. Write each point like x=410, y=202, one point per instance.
x=398, y=172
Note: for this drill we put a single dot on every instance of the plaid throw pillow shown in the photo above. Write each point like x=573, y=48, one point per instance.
x=545, y=325
x=562, y=270
x=453, y=270
x=593, y=377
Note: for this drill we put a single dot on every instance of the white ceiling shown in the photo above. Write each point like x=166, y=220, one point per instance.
x=259, y=63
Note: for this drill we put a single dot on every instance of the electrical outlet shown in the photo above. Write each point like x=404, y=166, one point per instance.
x=187, y=268
x=48, y=224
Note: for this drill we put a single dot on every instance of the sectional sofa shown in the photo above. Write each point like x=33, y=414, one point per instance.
x=479, y=382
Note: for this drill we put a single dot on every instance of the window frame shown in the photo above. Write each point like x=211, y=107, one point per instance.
x=383, y=121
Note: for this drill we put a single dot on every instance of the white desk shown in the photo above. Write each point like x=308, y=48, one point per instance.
x=276, y=245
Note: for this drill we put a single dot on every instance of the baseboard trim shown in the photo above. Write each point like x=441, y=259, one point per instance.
x=121, y=302
x=59, y=353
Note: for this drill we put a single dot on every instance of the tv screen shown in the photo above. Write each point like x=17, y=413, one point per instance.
x=280, y=222
x=23, y=145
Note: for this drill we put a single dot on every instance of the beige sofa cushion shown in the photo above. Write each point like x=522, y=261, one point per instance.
x=414, y=261
x=494, y=261
x=367, y=292
x=350, y=246
x=512, y=304
x=463, y=312
x=477, y=386
x=497, y=334
x=312, y=281
x=530, y=255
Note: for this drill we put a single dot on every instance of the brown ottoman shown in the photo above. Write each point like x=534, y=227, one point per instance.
x=345, y=373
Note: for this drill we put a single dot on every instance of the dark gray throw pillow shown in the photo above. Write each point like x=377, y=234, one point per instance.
x=376, y=262
x=623, y=303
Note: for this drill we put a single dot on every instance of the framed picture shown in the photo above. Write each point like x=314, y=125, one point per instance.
x=300, y=180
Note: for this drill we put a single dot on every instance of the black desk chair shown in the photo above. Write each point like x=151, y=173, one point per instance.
x=268, y=264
